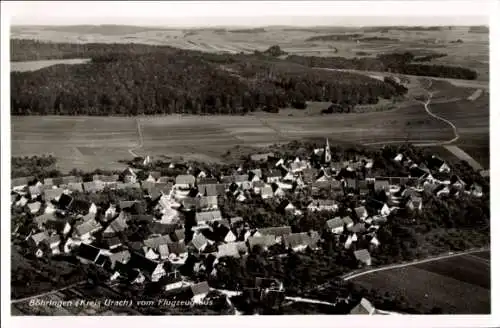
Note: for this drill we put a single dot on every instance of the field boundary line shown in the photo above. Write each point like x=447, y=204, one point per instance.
x=353, y=275
x=47, y=293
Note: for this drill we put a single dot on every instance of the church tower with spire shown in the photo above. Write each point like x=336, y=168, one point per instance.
x=327, y=155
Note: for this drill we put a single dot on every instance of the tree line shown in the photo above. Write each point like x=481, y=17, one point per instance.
x=402, y=63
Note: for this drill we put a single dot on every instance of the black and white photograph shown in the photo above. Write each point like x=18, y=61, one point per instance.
x=286, y=158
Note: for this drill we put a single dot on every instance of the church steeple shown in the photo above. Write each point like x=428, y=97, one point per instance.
x=327, y=155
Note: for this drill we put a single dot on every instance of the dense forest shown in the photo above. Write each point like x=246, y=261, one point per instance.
x=133, y=79
x=134, y=82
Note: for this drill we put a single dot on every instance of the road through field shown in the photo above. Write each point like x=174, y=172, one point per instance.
x=351, y=275
x=141, y=140
x=425, y=143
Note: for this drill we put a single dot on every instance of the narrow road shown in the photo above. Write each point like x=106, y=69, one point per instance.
x=425, y=143
x=426, y=106
x=141, y=141
x=20, y=300
x=350, y=276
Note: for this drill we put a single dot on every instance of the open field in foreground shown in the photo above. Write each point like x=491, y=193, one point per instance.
x=100, y=142
x=457, y=285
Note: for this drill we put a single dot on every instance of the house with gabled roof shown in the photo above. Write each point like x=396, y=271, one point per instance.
x=261, y=157
x=199, y=291
x=129, y=176
x=363, y=256
x=66, y=180
x=155, y=242
x=348, y=222
x=178, y=252
x=84, y=231
x=264, y=241
x=52, y=194
x=20, y=183
x=361, y=212
x=323, y=205
x=276, y=232
x=255, y=175
x=228, y=250
x=438, y=164
x=206, y=217
x=300, y=241
x=185, y=181
x=34, y=207
x=152, y=270
x=118, y=224
x=53, y=243
x=273, y=176
x=267, y=192
x=199, y=242
x=364, y=308
x=381, y=185
x=88, y=253
x=41, y=220
x=75, y=186
x=335, y=225
x=35, y=239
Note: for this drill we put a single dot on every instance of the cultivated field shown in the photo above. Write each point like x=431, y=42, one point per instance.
x=100, y=142
x=39, y=64
x=458, y=285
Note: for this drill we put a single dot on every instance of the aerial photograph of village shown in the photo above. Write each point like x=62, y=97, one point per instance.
x=270, y=169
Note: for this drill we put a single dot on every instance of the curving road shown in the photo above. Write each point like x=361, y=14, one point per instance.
x=350, y=276
x=425, y=143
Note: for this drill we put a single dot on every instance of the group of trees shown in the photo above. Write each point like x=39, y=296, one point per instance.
x=402, y=63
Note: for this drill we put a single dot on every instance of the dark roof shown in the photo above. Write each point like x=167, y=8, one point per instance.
x=142, y=263
x=273, y=173
x=351, y=183
x=161, y=228
x=65, y=201
x=113, y=241
x=80, y=206
x=88, y=252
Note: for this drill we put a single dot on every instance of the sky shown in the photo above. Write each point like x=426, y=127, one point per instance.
x=249, y=13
